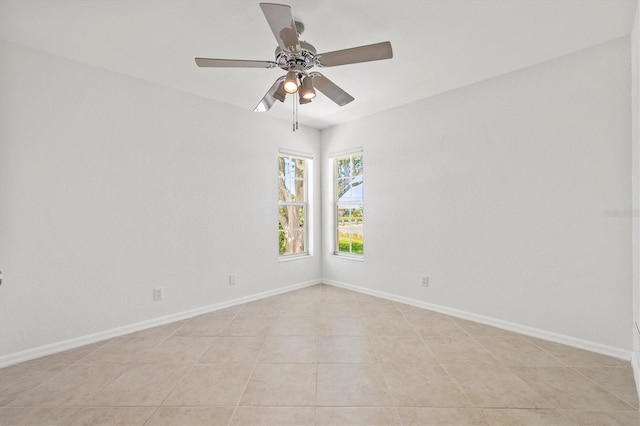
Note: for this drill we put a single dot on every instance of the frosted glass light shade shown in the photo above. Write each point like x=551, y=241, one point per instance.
x=290, y=84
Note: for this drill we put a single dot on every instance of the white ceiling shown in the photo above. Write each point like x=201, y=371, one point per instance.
x=438, y=45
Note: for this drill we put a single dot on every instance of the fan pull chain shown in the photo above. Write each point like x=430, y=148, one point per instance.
x=295, y=111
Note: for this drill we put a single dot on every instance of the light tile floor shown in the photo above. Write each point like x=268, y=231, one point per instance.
x=321, y=355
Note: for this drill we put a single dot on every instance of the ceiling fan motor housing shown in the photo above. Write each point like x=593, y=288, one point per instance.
x=304, y=57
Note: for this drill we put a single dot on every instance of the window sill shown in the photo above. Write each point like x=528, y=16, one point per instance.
x=355, y=258
x=294, y=257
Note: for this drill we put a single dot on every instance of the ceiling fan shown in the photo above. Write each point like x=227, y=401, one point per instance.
x=297, y=57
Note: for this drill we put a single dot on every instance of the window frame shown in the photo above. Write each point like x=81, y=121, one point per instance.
x=336, y=202
x=306, y=204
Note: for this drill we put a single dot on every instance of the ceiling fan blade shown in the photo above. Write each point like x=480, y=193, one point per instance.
x=330, y=89
x=269, y=99
x=282, y=24
x=234, y=63
x=371, y=52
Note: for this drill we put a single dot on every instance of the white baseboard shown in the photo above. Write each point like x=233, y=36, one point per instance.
x=517, y=328
x=53, y=348
x=30, y=354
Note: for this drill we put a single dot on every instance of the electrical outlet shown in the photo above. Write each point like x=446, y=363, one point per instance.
x=425, y=281
x=232, y=279
x=157, y=294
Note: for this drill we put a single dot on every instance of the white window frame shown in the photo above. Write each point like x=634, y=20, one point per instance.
x=334, y=157
x=307, y=204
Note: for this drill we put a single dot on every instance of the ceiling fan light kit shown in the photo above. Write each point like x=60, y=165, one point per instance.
x=308, y=91
x=297, y=57
x=280, y=94
x=304, y=101
x=290, y=83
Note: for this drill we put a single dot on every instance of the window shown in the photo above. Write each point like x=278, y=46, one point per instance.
x=293, y=205
x=349, y=204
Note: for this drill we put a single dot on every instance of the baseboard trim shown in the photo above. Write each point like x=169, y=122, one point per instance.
x=517, y=328
x=50, y=349
x=53, y=348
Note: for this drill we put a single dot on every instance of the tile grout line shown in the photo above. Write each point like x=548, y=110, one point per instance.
x=192, y=365
x=555, y=408
x=501, y=363
x=563, y=362
x=156, y=408
x=600, y=387
x=384, y=377
x=440, y=364
x=253, y=369
x=129, y=366
x=574, y=369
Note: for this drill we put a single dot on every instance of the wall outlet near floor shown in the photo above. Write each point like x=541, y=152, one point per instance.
x=232, y=279
x=425, y=281
x=157, y=294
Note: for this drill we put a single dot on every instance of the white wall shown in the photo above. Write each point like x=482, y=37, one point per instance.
x=635, y=195
x=111, y=186
x=498, y=191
